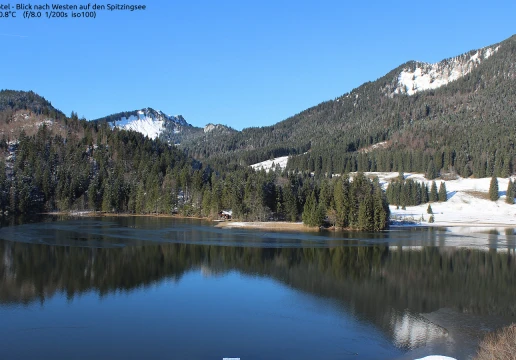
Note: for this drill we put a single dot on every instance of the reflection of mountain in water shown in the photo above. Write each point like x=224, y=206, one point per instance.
x=389, y=283
x=411, y=331
x=373, y=282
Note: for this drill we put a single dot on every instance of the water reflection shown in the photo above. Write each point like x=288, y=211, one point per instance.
x=391, y=280
x=411, y=331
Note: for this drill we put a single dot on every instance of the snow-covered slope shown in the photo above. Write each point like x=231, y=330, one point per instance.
x=271, y=164
x=467, y=206
x=420, y=76
x=149, y=122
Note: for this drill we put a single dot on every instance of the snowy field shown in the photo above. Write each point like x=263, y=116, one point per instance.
x=468, y=203
x=268, y=164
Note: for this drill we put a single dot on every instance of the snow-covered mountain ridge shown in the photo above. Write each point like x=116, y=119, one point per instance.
x=420, y=76
x=156, y=124
x=149, y=122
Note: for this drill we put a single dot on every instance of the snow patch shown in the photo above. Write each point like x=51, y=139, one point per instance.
x=380, y=145
x=271, y=164
x=216, y=127
x=149, y=122
x=44, y=122
x=148, y=126
x=209, y=127
x=468, y=204
x=427, y=76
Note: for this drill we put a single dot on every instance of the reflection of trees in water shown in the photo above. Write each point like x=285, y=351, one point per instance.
x=368, y=280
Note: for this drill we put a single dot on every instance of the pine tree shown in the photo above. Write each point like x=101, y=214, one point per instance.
x=320, y=214
x=310, y=210
x=92, y=196
x=424, y=193
x=442, y=192
x=433, y=192
x=340, y=195
x=280, y=207
x=365, y=214
x=466, y=171
x=290, y=204
x=493, y=189
x=429, y=210
x=431, y=172
x=206, y=202
x=381, y=210
x=509, y=197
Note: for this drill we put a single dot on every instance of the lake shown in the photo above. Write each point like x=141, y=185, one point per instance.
x=163, y=288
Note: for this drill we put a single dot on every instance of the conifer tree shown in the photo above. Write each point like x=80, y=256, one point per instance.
x=320, y=213
x=466, y=171
x=424, y=193
x=433, y=192
x=280, y=208
x=381, y=210
x=493, y=189
x=92, y=196
x=429, y=210
x=431, y=172
x=340, y=195
x=290, y=204
x=365, y=213
x=310, y=210
x=206, y=202
x=442, y=192
x=509, y=197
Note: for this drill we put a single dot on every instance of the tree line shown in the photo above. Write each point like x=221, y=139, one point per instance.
x=407, y=192
x=118, y=171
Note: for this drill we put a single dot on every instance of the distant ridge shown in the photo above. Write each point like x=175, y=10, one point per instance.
x=148, y=122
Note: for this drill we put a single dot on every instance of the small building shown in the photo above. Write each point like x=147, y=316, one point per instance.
x=225, y=214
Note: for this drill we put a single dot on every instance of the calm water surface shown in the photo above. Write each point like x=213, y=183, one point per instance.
x=158, y=288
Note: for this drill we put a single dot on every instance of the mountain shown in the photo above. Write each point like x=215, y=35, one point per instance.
x=420, y=76
x=416, y=114
x=151, y=123
x=457, y=114
x=26, y=111
x=156, y=124
x=12, y=100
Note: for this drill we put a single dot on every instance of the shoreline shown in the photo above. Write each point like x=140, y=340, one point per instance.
x=454, y=224
x=105, y=214
x=283, y=225
x=267, y=225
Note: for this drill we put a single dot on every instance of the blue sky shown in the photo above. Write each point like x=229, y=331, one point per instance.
x=239, y=63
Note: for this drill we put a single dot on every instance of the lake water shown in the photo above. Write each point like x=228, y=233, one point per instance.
x=143, y=287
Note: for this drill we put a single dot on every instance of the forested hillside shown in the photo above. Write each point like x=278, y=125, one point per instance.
x=467, y=126
x=11, y=101
x=96, y=168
